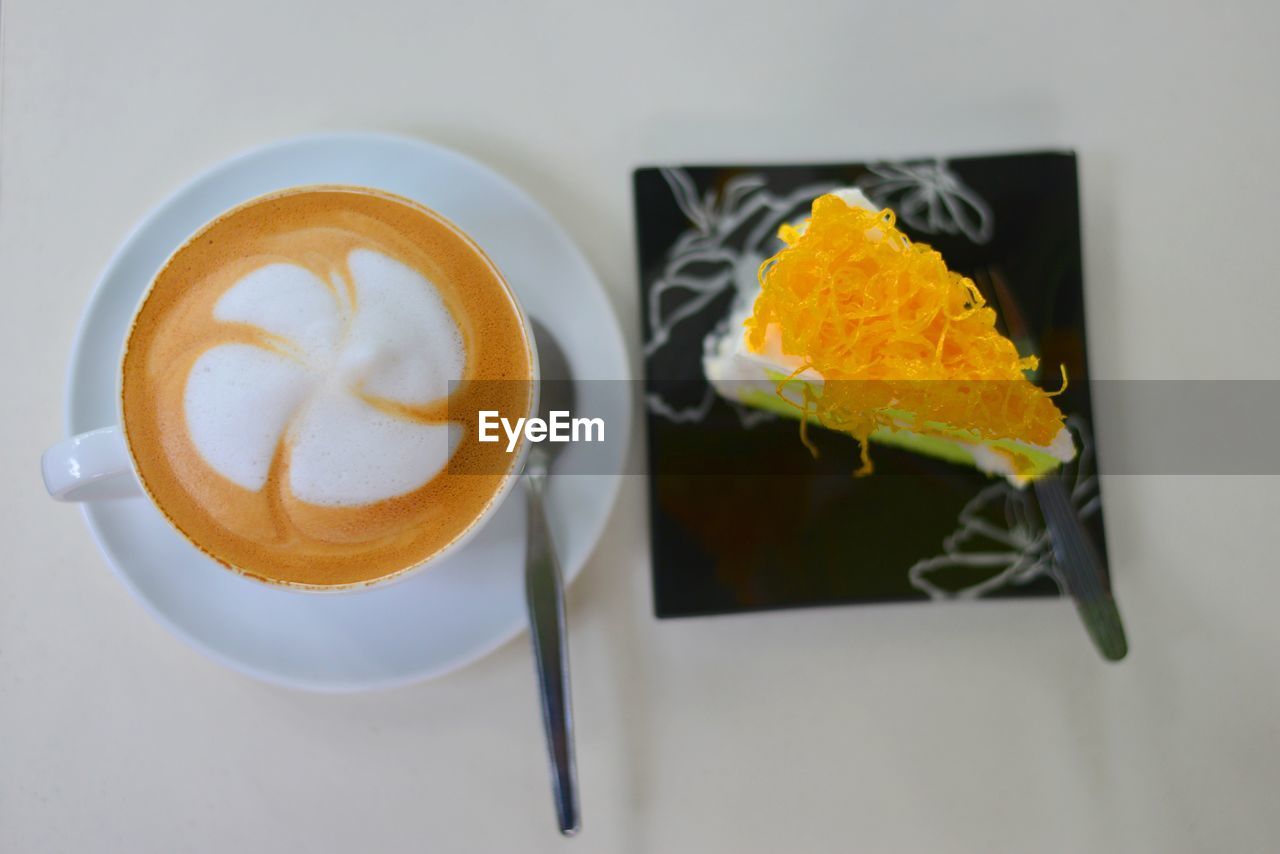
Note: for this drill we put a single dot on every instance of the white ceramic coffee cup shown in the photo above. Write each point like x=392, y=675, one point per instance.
x=99, y=465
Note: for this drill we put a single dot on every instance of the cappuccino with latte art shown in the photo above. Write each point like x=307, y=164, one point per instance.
x=301, y=384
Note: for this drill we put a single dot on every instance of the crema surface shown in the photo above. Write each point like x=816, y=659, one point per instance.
x=301, y=385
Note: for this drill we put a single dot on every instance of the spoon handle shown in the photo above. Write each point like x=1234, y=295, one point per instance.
x=544, y=593
x=1081, y=568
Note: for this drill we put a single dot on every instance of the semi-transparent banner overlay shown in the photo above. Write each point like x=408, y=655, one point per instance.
x=1185, y=427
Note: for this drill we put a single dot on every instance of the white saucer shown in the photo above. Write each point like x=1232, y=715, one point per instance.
x=434, y=621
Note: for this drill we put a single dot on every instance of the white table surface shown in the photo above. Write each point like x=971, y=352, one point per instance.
x=913, y=728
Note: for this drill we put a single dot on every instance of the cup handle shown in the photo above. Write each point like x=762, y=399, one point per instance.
x=90, y=466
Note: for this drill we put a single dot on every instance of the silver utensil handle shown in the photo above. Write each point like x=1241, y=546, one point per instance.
x=1081, y=569
x=545, y=597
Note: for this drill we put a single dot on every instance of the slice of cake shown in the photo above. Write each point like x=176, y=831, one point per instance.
x=857, y=328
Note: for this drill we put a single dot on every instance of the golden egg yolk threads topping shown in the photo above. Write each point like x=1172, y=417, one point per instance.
x=900, y=341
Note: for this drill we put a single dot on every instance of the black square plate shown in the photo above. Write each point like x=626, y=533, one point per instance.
x=743, y=518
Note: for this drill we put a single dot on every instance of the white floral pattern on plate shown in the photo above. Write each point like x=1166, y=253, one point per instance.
x=930, y=198
x=1001, y=534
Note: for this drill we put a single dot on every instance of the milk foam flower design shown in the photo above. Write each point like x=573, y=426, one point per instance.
x=328, y=381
